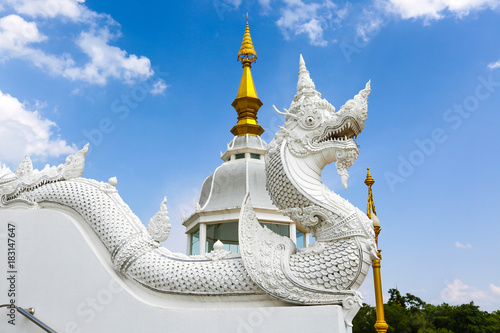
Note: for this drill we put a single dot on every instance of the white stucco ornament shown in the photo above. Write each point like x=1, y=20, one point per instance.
x=328, y=272
x=112, y=181
x=218, y=252
x=218, y=245
x=159, y=225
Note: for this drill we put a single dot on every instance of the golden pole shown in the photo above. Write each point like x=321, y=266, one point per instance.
x=380, y=325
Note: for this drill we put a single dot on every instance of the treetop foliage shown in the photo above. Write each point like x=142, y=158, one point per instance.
x=410, y=314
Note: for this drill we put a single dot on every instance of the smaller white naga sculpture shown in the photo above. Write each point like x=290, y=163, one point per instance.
x=328, y=272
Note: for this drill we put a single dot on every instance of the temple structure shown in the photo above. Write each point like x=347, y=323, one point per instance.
x=77, y=258
x=218, y=208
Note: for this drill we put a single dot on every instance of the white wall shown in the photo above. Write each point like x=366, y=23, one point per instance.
x=64, y=272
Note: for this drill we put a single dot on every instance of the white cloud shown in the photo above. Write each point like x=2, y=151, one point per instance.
x=16, y=33
x=437, y=9
x=16, y=39
x=494, y=65
x=234, y=3
x=458, y=292
x=342, y=13
x=159, y=87
x=266, y=4
x=372, y=19
x=107, y=61
x=494, y=289
x=367, y=30
x=381, y=12
x=310, y=19
x=100, y=62
x=463, y=246
x=314, y=31
x=26, y=132
x=49, y=8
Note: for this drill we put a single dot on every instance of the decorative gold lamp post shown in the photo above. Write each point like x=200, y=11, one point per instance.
x=380, y=324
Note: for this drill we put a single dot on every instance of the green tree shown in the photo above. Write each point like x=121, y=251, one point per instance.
x=396, y=298
x=467, y=318
x=492, y=322
x=410, y=314
x=365, y=319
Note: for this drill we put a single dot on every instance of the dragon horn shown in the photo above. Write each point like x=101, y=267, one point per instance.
x=286, y=113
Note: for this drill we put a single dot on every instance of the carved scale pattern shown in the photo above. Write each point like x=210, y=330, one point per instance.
x=283, y=194
x=134, y=252
x=266, y=256
x=334, y=268
x=200, y=277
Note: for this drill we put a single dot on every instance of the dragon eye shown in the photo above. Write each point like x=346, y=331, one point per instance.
x=310, y=120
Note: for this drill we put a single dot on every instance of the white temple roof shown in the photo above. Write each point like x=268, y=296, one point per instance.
x=227, y=186
x=243, y=171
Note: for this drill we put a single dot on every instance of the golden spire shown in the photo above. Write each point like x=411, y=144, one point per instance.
x=380, y=325
x=247, y=103
x=371, y=205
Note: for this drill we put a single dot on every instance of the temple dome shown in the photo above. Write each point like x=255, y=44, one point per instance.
x=244, y=171
x=221, y=197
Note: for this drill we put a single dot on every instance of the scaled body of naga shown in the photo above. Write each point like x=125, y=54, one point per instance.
x=328, y=272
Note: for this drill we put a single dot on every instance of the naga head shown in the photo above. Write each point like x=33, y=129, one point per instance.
x=314, y=129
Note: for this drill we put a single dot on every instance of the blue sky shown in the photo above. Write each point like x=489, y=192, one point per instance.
x=149, y=85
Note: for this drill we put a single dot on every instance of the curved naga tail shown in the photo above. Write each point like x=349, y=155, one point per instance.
x=272, y=263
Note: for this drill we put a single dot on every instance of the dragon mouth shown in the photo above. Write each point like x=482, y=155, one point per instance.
x=348, y=129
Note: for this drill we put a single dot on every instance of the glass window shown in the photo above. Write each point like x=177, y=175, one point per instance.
x=301, y=239
x=195, y=242
x=256, y=156
x=227, y=233
x=238, y=156
x=280, y=229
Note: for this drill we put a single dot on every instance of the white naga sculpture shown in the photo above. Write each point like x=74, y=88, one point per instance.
x=328, y=272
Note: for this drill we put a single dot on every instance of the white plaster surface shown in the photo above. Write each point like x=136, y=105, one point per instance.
x=65, y=274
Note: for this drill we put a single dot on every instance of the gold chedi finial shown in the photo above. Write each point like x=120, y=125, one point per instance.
x=247, y=103
x=247, y=52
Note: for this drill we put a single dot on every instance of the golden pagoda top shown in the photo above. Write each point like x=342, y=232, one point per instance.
x=247, y=52
x=247, y=103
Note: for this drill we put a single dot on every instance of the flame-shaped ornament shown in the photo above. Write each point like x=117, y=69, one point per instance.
x=159, y=226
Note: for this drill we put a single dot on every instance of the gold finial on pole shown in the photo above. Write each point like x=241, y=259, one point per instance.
x=371, y=205
x=380, y=325
x=247, y=103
